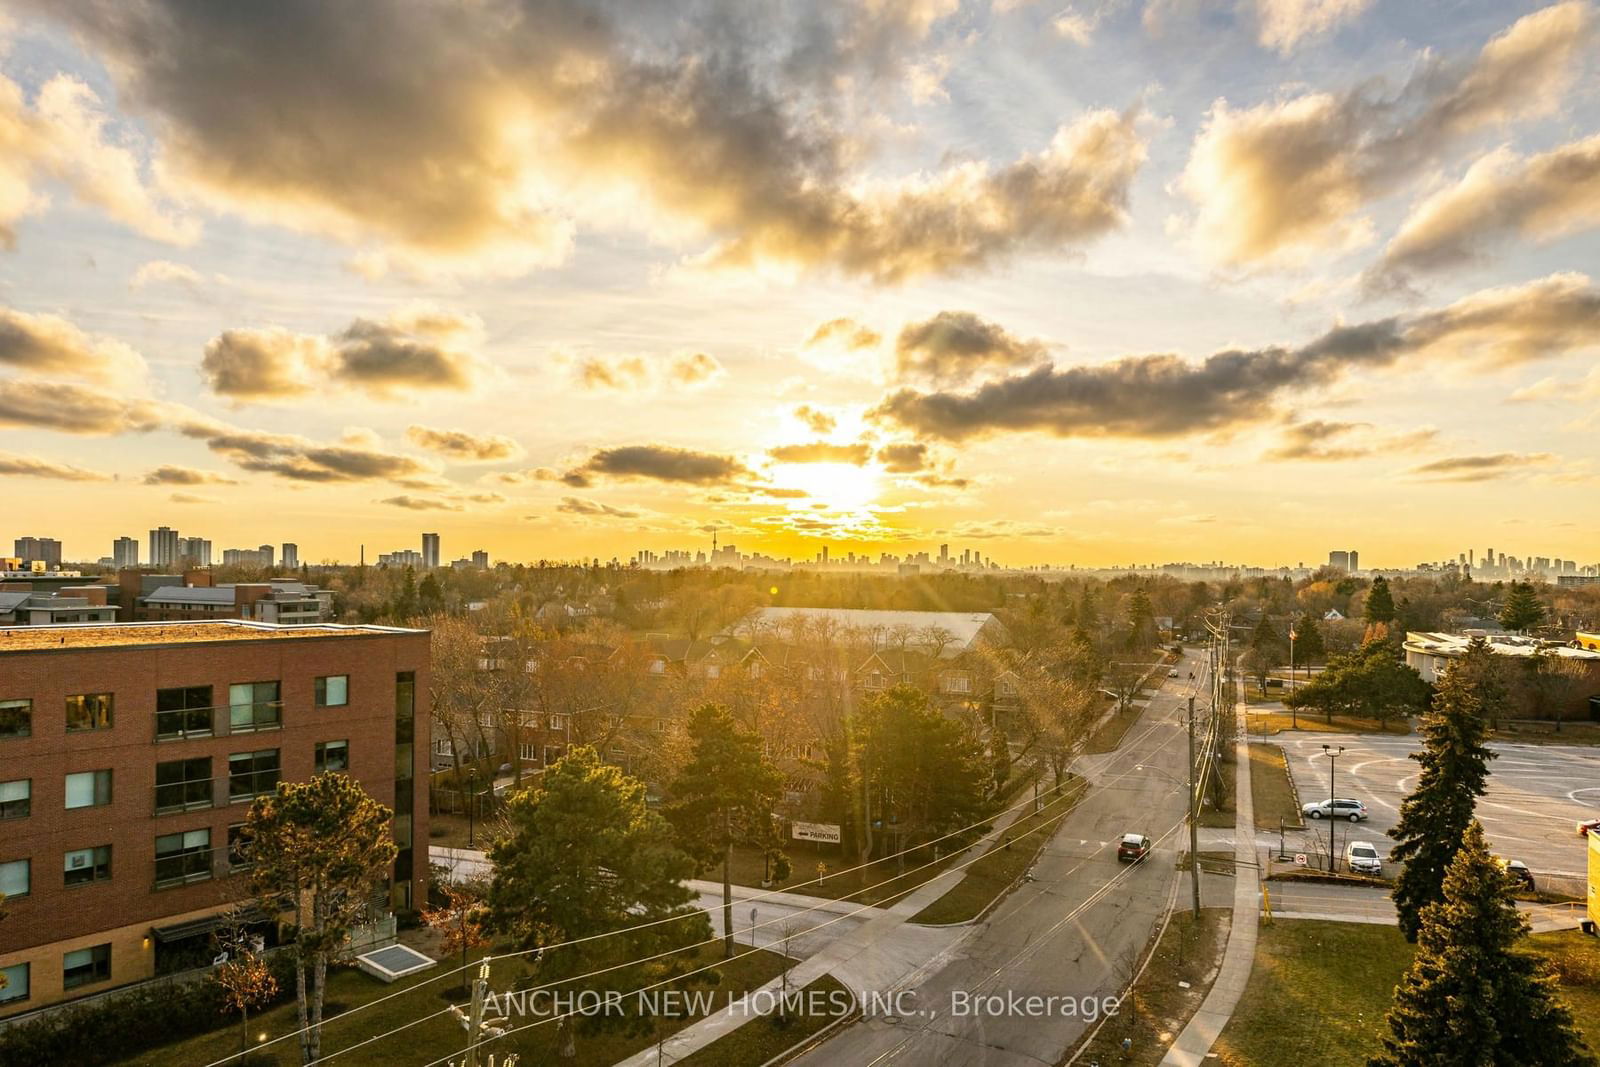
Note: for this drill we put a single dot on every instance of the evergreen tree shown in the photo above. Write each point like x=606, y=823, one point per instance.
x=1380, y=602
x=1470, y=997
x=1455, y=771
x=1522, y=608
x=405, y=604
x=1088, y=613
x=430, y=595
x=1141, y=621
x=1308, y=644
x=724, y=796
x=1268, y=642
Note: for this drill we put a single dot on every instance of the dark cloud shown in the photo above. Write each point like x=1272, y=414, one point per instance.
x=170, y=475
x=575, y=506
x=816, y=421
x=1480, y=468
x=383, y=359
x=847, y=333
x=13, y=465
x=1319, y=440
x=77, y=409
x=822, y=452
x=903, y=458
x=358, y=457
x=441, y=134
x=421, y=503
x=463, y=446
x=52, y=345
x=656, y=463
x=955, y=346
x=1161, y=396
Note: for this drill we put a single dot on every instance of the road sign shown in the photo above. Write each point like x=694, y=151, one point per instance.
x=1300, y=859
x=826, y=832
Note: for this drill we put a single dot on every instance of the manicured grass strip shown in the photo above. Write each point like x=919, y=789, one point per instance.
x=1108, y=736
x=1271, y=792
x=1276, y=722
x=764, y=1036
x=1158, y=1008
x=1319, y=991
x=992, y=875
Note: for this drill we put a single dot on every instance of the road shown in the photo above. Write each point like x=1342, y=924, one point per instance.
x=1537, y=793
x=1062, y=934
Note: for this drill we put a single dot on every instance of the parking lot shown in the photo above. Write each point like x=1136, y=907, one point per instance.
x=1537, y=793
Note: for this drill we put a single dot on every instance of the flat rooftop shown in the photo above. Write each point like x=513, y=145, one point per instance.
x=143, y=634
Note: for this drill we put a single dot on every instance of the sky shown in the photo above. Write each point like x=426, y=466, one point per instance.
x=1094, y=284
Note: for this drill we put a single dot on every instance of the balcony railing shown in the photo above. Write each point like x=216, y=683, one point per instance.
x=219, y=720
x=191, y=795
x=184, y=868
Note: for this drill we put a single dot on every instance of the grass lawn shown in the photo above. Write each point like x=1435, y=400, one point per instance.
x=348, y=987
x=993, y=874
x=1108, y=737
x=764, y=1037
x=1158, y=1007
x=1210, y=862
x=1272, y=794
x=450, y=831
x=1276, y=722
x=1571, y=733
x=1290, y=1012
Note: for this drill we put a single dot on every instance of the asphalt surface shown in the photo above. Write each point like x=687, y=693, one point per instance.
x=1537, y=793
x=1063, y=934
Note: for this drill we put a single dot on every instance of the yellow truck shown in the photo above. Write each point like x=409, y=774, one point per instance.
x=1589, y=641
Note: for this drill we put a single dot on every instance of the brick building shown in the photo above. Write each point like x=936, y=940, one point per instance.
x=129, y=754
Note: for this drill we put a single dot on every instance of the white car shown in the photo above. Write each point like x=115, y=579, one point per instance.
x=1173, y=673
x=1361, y=857
x=1337, y=808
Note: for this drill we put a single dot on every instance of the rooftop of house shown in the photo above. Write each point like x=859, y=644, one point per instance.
x=1503, y=644
x=140, y=634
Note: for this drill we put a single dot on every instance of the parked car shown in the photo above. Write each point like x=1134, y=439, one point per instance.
x=1361, y=857
x=1518, y=870
x=1588, y=826
x=1173, y=673
x=1337, y=808
x=1132, y=848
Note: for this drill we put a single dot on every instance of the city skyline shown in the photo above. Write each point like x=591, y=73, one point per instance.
x=884, y=276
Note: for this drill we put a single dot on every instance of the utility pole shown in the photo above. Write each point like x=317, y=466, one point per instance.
x=1333, y=752
x=1194, y=833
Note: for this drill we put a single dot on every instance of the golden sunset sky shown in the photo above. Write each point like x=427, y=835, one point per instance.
x=1115, y=281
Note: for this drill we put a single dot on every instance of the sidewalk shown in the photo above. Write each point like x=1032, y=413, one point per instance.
x=1195, y=1042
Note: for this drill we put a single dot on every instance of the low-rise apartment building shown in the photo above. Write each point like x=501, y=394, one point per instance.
x=129, y=754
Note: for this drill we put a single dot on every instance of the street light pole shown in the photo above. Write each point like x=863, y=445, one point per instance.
x=1194, y=834
x=1333, y=752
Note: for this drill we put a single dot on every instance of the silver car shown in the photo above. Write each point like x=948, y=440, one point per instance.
x=1337, y=808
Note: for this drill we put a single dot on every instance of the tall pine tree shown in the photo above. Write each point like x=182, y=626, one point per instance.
x=1470, y=997
x=1380, y=602
x=1455, y=771
x=1522, y=607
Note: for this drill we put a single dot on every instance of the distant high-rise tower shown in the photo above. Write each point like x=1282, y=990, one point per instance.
x=480, y=559
x=267, y=554
x=46, y=550
x=1340, y=560
x=1355, y=561
x=163, y=547
x=291, y=554
x=125, y=552
x=195, y=550
x=430, y=550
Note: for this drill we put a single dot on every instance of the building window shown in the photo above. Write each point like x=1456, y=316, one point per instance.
x=558, y=722
x=89, y=711
x=251, y=774
x=333, y=691
x=658, y=666
x=86, y=966
x=183, y=784
x=443, y=747
x=84, y=866
x=88, y=789
x=16, y=718
x=254, y=706
x=525, y=753
x=238, y=849
x=957, y=683
x=713, y=670
x=552, y=753
x=15, y=986
x=16, y=878
x=755, y=669
x=183, y=712
x=333, y=756
x=16, y=799
x=183, y=858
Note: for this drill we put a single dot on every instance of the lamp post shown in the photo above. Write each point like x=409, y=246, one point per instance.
x=1333, y=752
x=472, y=797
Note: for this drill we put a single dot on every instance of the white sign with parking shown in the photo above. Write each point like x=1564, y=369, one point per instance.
x=825, y=832
x=1300, y=859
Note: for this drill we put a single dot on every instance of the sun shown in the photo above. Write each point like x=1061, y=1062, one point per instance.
x=839, y=487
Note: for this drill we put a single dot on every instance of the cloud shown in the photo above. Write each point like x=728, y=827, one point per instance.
x=526, y=477
x=190, y=498
x=1501, y=197
x=575, y=506
x=38, y=344
x=171, y=475
x=1288, y=179
x=158, y=271
x=628, y=374
x=442, y=137
x=991, y=529
x=822, y=452
x=16, y=466
x=62, y=137
x=66, y=407
x=1285, y=23
x=1322, y=441
x=1480, y=468
x=846, y=333
x=903, y=458
x=656, y=463
x=421, y=503
x=817, y=421
x=1160, y=396
x=462, y=446
x=408, y=352
x=955, y=346
x=357, y=457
